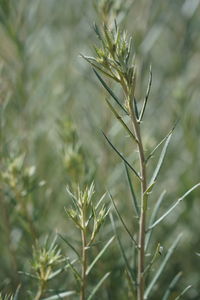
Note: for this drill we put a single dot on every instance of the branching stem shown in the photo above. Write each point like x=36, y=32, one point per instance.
x=84, y=258
x=40, y=291
x=142, y=218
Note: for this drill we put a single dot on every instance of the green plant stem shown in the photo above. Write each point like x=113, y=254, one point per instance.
x=142, y=218
x=84, y=258
x=40, y=290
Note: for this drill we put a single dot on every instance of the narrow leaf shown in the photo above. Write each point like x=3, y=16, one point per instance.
x=60, y=295
x=183, y=292
x=69, y=244
x=135, y=108
x=171, y=286
x=90, y=59
x=97, y=31
x=121, y=121
x=109, y=91
x=153, y=217
x=146, y=196
x=75, y=272
x=100, y=201
x=73, y=198
x=147, y=95
x=160, y=161
x=98, y=285
x=57, y=272
x=162, y=266
x=135, y=204
x=155, y=255
x=127, y=265
x=173, y=206
x=99, y=255
x=121, y=219
x=161, y=142
x=27, y=274
x=121, y=156
x=17, y=293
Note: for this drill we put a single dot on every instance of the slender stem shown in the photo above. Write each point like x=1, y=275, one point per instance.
x=84, y=258
x=40, y=291
x=142, y=222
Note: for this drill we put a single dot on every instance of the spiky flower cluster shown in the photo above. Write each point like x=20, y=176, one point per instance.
x=84, y=212
x=20, y=180
x=109, y=10
x=114, y=58
x=45, y=259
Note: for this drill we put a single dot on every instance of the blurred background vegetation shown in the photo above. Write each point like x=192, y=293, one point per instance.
x=52, y=113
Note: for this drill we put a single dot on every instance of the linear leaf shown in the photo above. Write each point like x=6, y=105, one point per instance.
x=100, y=201
x=99, y=255
x=57, y=272
x=109, y=91
x=121, y=219
x=75, y=272
x=147, y=95
x=135, y=108
x=155, y=255
x=27, y=274
x=69, y=244
x=146, y=196
x=97, y=31
x=60, y=295
x=121, y=121
x=130, y=285
x=159, y=144
x=183, y=292
x=98, y=285
x=173, y=206
x=153, y=217
x=161, y=159
x=171, y=286
x=134, y=199
x=128, y=267
x=162, y=266
x=121, y=156
x=17, y=293
x=90, y=59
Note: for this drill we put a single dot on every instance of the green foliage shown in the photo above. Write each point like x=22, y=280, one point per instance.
x=53, y=110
